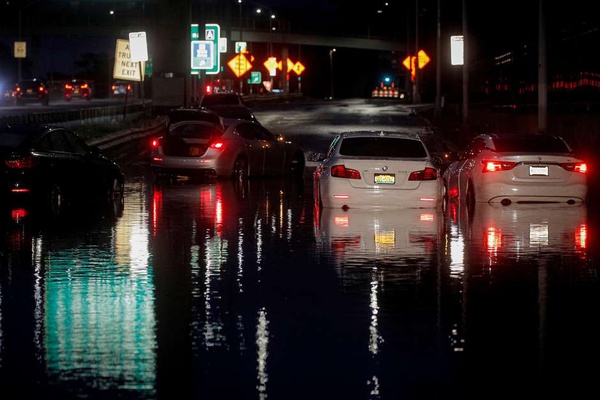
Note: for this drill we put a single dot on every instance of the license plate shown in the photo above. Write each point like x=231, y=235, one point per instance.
x=386, y=179
x=29, y=90
x=538, y=170
x=385, y=237
x=195, y=151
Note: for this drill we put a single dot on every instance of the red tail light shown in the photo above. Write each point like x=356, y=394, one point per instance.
x=68, y=86
x=84, y=86
x=21, y=163
x=497, y=165
x=340, y=171
x=580, y=167
x=40, y=89
x=217, y=145
x=428, y=174
x=154, y=143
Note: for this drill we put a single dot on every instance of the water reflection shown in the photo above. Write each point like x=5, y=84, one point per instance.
x=513, y=264
x=227, y=235
x=89, y=305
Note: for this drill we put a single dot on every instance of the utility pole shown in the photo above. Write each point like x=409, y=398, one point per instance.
x=542, y=73
x=416, y=90
x=438, y=72
x=465, y=85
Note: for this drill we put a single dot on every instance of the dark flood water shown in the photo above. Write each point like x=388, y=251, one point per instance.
x=216, y=290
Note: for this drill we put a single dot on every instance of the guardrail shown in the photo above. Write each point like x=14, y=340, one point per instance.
x=81, y=116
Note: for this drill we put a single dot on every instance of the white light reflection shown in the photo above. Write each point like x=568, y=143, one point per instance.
x=457, y=253
x=240, y=256
x=262, y=352
x=374, y=337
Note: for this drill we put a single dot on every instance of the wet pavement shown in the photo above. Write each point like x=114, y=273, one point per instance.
x=205, y=290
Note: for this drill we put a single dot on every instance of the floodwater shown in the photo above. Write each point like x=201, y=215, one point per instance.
x=204, y=290
x=222, y=290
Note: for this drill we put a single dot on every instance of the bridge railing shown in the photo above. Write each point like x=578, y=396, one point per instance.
x=78, y=117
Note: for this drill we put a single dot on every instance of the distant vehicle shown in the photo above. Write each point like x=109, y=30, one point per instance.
x=31, y=91
x=243, y=149
x=377, y=170
x=517, y=168
x=213, y=99
x=53, y=166
x=233, y=112
x=121, y=89
x=77, y=89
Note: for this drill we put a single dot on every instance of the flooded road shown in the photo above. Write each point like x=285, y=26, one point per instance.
x=206, y=290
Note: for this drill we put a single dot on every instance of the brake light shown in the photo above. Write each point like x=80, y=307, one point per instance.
x=21, y=163
x=217, y=145
x=580, y=167
x=40, y=89
x=154, y=143
x=340, y=171
x=84, y=86
x=68, y=86
x=497, y=165
x=428, y=174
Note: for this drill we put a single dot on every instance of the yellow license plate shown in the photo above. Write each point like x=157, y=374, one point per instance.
x=388, y=179
x=385, y=237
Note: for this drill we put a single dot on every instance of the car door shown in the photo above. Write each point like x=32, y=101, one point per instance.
x=62, y=167
x=274, y=151
x=253, y=147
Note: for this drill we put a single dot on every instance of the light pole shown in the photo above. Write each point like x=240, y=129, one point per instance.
x=239, y=63
x=331, y=51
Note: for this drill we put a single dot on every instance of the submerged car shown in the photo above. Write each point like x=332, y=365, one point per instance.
x=517, y=168
x=377, y=169
x=196, y=148
x=53, y=166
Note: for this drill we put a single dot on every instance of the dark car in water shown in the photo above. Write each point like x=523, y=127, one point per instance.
x=51, y=165
x=31, y=91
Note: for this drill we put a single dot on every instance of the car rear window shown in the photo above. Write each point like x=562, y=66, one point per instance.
x=12, y=139
x=202, y=131
x=531, y=144
x=382, y=147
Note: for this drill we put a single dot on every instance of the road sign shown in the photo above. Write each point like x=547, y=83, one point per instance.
x=422, y=59
x=212, y=33
x=255, y=77
x=138, y=46
x=272, y=65
x=125, y=68
x=297, y=67
x=20, y=49
x=239, y=64
x=203, y=54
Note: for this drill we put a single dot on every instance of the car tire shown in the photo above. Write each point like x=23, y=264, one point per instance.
x=240, y=169
x=116, y=189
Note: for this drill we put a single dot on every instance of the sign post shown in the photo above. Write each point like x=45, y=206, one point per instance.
x=139, y=54
x=212, y=32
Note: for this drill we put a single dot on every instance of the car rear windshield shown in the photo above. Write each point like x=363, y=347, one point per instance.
x=531, y=144
x=202, y=131
x=12, y=139
x=382, y=147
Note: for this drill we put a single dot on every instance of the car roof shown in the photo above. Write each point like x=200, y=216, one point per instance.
x=380, y=133
x=221, y=98
x=234, y=111
x=193, y=114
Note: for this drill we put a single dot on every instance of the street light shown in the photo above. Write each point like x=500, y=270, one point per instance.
x=331, y=51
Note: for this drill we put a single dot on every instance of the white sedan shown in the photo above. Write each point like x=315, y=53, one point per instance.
x=517, y=168
x=377, y=170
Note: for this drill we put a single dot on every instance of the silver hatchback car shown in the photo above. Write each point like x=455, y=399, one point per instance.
x=242, y=149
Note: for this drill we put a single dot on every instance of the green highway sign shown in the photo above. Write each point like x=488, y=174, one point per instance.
x=212, y=32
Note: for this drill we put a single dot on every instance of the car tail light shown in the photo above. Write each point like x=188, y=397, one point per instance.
x=25, y=162
x=40, y=89
x=497, y=165
x=217, y=145
x=84, y=86
x=428, y=174
x=68, y=86
x=580, y=167
x=155, y=143
x=340, y=171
